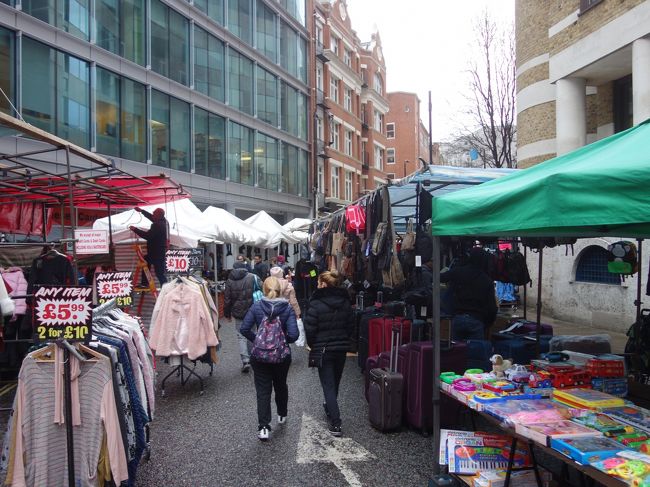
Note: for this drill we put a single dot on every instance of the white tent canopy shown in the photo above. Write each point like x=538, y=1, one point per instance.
x=230, y=229
x=298, y=224
x=186, y=224
x=277, y=233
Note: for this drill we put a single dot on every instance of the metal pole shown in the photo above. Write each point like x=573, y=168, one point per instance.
x=73, y=218
x=430, y=130
x=538, y=331
x=525, y=287
x=639, y=284
x=435, y=338
x=68, y=417
x=44, y=213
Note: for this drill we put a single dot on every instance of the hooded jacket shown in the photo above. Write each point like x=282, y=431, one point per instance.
x=156, y=237
x=270, y=308
x=287, y=289
x=329, y=320
x=238, y=295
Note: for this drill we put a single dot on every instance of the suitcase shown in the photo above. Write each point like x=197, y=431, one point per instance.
x=517, y=349
x=385, y=394
x=478, y=354
x=418, y=382
x=395, y=308
x=519, y=326
x=380, y=330
x=454, y=359
x=593, y=344
x=371, y=363
x=402, y=366
x=420, y=330
x=364, y=329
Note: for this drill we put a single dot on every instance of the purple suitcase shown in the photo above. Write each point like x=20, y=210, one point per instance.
x=385, y=394
x=402, y=367
x=371, y=363
x=419, y=377
x=454, y=359
x=525, y=327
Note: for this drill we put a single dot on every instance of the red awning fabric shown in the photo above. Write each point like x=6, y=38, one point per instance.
x=24, y=219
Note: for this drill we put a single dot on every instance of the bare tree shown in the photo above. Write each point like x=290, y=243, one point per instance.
x=491, y=102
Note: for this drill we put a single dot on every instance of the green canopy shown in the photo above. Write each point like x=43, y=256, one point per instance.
x=598, y=190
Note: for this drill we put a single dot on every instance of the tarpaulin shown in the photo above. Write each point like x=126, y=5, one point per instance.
x=24, y=219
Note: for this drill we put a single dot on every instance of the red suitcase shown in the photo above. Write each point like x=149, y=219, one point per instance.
x=385, y=394
x=376, y=336
x=419, y=391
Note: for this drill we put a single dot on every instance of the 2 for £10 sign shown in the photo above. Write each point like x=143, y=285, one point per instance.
x=118, y=285
x=63, y=312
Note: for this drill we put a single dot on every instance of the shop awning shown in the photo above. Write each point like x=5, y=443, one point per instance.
x=230, y=229
x=277, y=234
x=598, y=190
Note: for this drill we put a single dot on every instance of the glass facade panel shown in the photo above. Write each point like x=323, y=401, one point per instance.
x=209, y=144
x=132, y=30
x=159, y=128
x=73, y=99
x=302, y=59
x=296, y=8
x=133, y=124
x=179, y=47
x=208, y=64
x=7, y=62
x=303, y=174
x=180, y=135
x=289, y=109
x=288, y=48
x=266, y=40
x=107, y=15
x=73, y=17
x=289, y=169
x=241, y=82
x=159, y=37
x=303, y=110
x=267, y=97
x=240, y=19
x=240, y=154
x=39, y=85
x=44, y=10
x=266, y=161
x=213, y=8
x=107, y=118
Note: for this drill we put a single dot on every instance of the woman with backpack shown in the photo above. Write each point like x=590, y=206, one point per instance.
x=275, y=324
x=329, y=326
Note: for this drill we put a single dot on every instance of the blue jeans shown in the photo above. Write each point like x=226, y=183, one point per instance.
x=466, y=327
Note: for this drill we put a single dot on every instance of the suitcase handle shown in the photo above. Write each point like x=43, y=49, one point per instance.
x=395, y=343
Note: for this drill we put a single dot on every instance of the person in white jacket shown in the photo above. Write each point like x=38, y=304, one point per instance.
x=7, y=306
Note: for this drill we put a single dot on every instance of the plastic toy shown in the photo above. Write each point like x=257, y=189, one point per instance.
x=586, y=450
x=499, y=365
x=500, y=386
x=486, y=397
x=463, y=384
x=604, y=366
x=518, y=373
x=555, y=356
x=449, y=377
x=473, y=371
x=540, y=379
x=587, y=399
x=604, y=424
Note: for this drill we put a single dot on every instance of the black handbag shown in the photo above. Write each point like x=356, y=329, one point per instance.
x=316, y=358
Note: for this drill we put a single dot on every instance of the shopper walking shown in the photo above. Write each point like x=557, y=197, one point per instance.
x=238, y=298
x=329, y=325
x=287, y=290
x=276, y=326
x=260, y=267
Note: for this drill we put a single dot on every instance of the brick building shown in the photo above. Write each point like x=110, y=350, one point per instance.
x=583, y=73
x=408, y=139
x=351, y=106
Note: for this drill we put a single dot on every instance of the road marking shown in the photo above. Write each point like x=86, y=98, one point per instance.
x=316, y=444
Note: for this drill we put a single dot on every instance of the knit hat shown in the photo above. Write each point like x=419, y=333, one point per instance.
x=277, y=272
x=280, y=259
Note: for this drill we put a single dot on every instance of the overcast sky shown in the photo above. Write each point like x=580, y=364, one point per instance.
x=427, y=44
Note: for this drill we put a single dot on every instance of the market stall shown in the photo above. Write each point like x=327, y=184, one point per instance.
x=598, y=190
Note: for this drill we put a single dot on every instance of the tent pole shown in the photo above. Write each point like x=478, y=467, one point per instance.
x=525, y=287
x=73, y=217
x=44, y=222
x=639, y=284
x=538, y=330
x=435, y=338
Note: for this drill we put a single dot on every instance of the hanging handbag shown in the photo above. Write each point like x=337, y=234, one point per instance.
x=338, y=239
x=408, y=241
x=394, y=276
x=315, y=359
x=381, y=236
x=355, y=217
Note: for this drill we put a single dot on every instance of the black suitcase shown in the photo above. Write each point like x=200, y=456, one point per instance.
x=385, y=393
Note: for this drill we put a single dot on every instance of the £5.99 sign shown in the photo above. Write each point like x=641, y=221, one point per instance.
x=63, y=312
x=118, y=285
x=183, y=260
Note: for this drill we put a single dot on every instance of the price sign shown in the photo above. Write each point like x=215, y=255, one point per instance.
x=118, y=285
x=63, y=312
x=179, y=261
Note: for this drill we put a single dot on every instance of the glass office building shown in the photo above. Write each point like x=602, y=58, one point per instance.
x=214, y=91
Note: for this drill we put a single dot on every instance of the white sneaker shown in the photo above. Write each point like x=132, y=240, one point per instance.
x=282, y=419
x=263, y=434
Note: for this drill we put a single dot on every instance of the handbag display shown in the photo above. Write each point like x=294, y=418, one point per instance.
x=381, y=237
x=408, y=241
x=394, y=276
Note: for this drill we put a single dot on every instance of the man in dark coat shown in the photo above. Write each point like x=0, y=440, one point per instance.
x=157, y=238
x=238, y=298
x=261, y=268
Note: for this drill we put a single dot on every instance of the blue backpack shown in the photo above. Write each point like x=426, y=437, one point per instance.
x=270, y=345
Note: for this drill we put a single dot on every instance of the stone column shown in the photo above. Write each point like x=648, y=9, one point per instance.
x=571, y=114
x=641, y=80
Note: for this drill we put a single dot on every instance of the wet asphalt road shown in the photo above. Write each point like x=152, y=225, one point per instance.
x=211, y=440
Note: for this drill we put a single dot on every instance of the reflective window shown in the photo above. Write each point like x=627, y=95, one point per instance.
x=69, y=15
x=303, y=114
x=334, y=88
x=240, y=154
x=169, y=43
x=7, y=62
x=289, y=109
x=302, y=59
x=241, y=82
x=180, y=135
x=266, y=40
x=159, y=128
x=348, y=185
x=170, y=131
x=133, y=125
x=334, y=181
x=209, y=144
x=107, y=117
x=240, y=19
x=266, y=162
x=208, y=64
x=288, y=48
x=289, y=169
x=378, y=84
x=267, y=97
x=213, y=8
x=303, y=174
x=120, y=28
x=296, y=8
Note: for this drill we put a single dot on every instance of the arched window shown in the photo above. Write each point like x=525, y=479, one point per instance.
x=592, y=267
x=378, y=84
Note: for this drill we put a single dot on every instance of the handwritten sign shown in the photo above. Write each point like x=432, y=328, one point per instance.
x=178, y=261
x=118, y=285
x=91, y=242
x=63, y=312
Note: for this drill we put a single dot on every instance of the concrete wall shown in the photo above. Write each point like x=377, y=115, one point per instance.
x=603, y=306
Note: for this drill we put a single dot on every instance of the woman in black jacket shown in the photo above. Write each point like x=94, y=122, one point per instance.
x=329, y=324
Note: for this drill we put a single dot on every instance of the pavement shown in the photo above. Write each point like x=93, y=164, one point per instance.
x=211, y=440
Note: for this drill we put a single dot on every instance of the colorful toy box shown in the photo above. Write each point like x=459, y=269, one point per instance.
x=630, y=467
x=587, y=450
x=543, y=433
x=587, y=399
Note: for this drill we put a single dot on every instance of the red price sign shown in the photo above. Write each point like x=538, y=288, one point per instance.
x=183, y=260
x=117, y=285
x=63, y=312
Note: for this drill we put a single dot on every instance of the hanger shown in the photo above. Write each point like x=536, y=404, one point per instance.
x=45, y=354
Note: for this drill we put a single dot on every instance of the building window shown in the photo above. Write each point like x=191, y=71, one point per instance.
x=347, y=99
x=71, y=16
x=592, y=267
x=240, y=90
x=379, y=121
x=334, y=186
x=267, y=97
x=7, y=63
x=303, y=173
x=390, y=156
x=587, y=4
x=319, y=77
x=320, y=129
x=379, y=158
x=170, y=131
x=334, y=88
x=390, y=175
x=266, y=40
x=296, y=8
x=209, y=144
x=288, y=48
x=347, y=57
x=170, y=43
x=267, y=162
x=240, y=154
x=209, y=77
x=289, y=109
x=623, y=104
x=319, y=34
x=334, y=44
x=348, y=185
x=121, y=28
x=240, y=19
x=390, y=130
x=348, y=142
x=213, y=8
x=321, y=178
x=336, y=136
x=290, y=176
x=378, y=84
